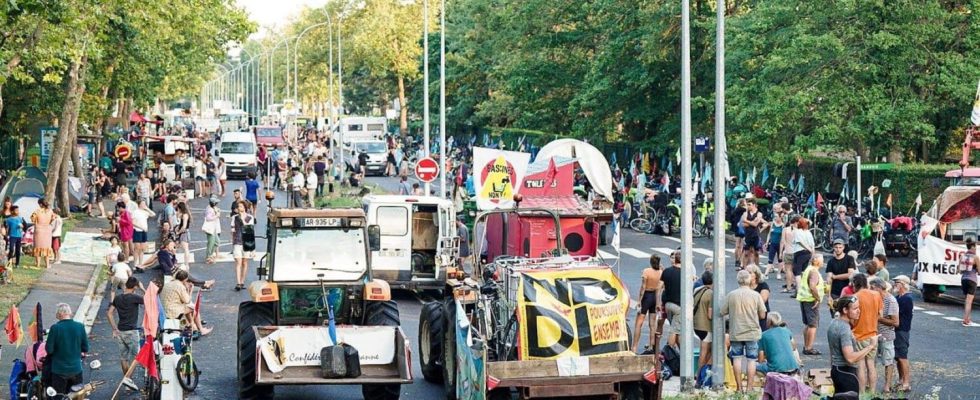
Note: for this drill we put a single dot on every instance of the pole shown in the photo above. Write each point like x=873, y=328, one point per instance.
x=340, y=95
x=425, y=54
x=860, y=191
x=330, y=100
x=687, y=239
x=719, y=291
x=443, y=151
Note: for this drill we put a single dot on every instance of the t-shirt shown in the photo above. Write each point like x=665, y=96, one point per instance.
x=252, y=190
x=66, y=342
x=140, y=219
x=890, y=308
x=128, y=307
x=839, y=266
x=777, y=344
x=121, y=270
x=672, y=285
x=905, y=306
x=839, y=230
x=839, y=336
x=802, y=240
x=15, y=226
x=759, y=288
x=867, y=324
x=884, y=274
x=743, y=307
x=702, y=319
x=751, y=232
x=112, y=254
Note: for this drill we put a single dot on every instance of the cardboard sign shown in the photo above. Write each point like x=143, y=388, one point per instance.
x=572, y=313
x=497, y=175
x=472, y=379
x=937, y=263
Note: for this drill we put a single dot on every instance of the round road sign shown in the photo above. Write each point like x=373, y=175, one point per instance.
x=123, y=152
x=427, y=169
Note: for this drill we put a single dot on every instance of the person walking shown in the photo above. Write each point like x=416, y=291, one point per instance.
x=810, y=294
x=649, y=301
x=777, y=348
x=670, y=298
x=803, y=247
x=845, y=354
x=906, y=307
x=141, y=225
x=126, y=331
x=786, y=249
x=744, y=308
x=866, y=329
x=144, y=188
x=775, y=238
x=252, y=191
x=212, y=228
x=65, y=345
x=969, y=265
x=43, y=234
x=886, y=332
x=242, y=227
x=840, y=267
x=57, y=230
x=221, y=171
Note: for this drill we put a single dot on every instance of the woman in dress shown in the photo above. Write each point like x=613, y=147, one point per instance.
x=124, y=219
x=222, y=173
x=42, y=219
x=182, y=230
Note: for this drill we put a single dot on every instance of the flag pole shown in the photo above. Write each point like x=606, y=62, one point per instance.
x=132, y=367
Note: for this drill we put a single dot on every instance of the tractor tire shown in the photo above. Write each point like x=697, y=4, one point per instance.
x=432, y=325
x=930, y=293
x=449, y=350
x=631, y=391
x=252, y=314
x=381, y=313
x=500, y=394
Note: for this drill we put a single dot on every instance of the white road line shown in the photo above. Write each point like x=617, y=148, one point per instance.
x=916, y=308
x=607, y=255
x=662, y=250
x=932, y=313
x=678, y=240
x=704, y=252
x=953, y=319
x=634, y=252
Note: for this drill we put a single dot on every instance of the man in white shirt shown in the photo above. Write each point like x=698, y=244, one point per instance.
x=312, y=181
x=297, y=183
x=140, y=216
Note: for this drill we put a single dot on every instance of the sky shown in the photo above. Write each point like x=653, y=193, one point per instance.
x=275, y=13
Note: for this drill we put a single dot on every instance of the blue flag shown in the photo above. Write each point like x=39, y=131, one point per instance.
x=826, y=189
x=765, y=174
x=801, y=185
x=708, y=174
x=670, y=168
x=812, y=200
x=741, y=176
x=612, y=160
x=792, y=183
x=486, y=140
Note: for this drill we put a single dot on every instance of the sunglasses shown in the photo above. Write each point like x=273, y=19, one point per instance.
x=844, y=302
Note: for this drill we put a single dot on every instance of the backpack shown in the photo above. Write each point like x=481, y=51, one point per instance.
x=248, y=234
x=672, y=360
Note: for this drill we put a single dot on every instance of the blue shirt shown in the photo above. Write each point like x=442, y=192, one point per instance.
x=15, y=226
x=252, y=190
x=904, y=313
x=776, y=343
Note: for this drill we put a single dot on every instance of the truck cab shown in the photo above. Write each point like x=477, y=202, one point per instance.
x=418, y=239
x=377, y=152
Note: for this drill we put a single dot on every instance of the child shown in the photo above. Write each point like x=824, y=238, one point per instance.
x=113, y=252
x=57, y=224
x=119, y=274
x=16, y=226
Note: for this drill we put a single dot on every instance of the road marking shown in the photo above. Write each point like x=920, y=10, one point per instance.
x=917, y=308
x=953, y=319
x=932, y=313
x=607, y=255
x=634, y=252
x=662, y=250
x=672, y=238
x=704, y=252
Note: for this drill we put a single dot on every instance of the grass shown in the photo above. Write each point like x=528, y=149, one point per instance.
x=25, y=278
x=348, y=198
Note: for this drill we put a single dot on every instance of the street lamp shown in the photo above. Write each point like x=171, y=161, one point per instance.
x=425, y=105
x=296, y=57
x=444, y=156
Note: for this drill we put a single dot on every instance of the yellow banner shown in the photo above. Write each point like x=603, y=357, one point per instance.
x=572, y=313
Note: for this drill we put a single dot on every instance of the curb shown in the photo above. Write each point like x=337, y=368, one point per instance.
x=88, y=308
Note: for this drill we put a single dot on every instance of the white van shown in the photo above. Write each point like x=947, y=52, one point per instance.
x=238, y=150
x=362, y=128
x=418, y=240
x=377, y=152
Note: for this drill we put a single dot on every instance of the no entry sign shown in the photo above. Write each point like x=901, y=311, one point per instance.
x=427, y=169
x=123, y=151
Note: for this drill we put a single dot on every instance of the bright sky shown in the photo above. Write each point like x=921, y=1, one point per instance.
x=275, y=13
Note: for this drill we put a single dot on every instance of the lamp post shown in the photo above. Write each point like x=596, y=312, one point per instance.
x=425, y=105
x=444, y=156
x=296, y=57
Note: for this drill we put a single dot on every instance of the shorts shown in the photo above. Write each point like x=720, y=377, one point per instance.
x=749, y=349
x=811, y=316
x=139, y=237
x=969, y=287
x=845, y=379
x=238, y=251
x=199, y=178
x=752, y=243
x=787, y=257
x=117, y=283
x=674, y=315
x=705, y=336
x=56, y=243
x=901, y=345
x=886, y=352
x=862, y=344
x=648, y=303
x=129, y=344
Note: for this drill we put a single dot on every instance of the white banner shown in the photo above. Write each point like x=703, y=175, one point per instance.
x=938, y=259
x=300, y=346
x=496, y=174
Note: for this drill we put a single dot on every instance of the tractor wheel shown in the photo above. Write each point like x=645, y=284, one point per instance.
x=449, y=350
x=252, y=314
x=432, y=326
x=631, y=391
x=381, y=313
x=499, y=394
x=930, y=293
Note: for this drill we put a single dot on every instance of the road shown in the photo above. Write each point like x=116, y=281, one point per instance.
x=942, y=351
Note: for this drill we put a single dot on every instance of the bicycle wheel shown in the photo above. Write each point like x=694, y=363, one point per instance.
x=187, y=373
x=640, y=224
x=698, y=228
x=819, y=239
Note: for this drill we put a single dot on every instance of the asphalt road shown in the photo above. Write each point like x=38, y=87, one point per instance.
x=943, y=353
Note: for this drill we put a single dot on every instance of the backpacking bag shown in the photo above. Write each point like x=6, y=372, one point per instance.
x=671, y=359
x=333, y=363
x=248, y=235
x=352, y=359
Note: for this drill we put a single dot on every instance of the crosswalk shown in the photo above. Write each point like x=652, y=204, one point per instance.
x=643, y=254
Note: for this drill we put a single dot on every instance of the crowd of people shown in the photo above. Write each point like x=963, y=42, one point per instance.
x=41, y=231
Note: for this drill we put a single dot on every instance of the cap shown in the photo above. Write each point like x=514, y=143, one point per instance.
x=783, y=200
x=838, y=241
x=902, y=278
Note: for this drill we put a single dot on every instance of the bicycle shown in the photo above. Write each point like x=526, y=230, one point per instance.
x=642, y=216
x=704, y=211
x=188, y=375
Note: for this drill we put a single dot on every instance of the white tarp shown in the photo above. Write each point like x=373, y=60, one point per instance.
x=593, y=163
x=300, y=346
x=937, y=263
x=497, y=174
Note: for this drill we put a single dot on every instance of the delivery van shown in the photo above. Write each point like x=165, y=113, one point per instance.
x=238, y=149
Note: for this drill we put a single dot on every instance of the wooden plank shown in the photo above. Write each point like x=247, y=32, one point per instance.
x=608, y=365
x=576, y=390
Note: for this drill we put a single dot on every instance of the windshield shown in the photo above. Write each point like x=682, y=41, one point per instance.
x=371, y=147
x=304, y=253
x=237, y=148
x=268, y=132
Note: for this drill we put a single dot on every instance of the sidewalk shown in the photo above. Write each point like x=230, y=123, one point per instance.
x=72, y=282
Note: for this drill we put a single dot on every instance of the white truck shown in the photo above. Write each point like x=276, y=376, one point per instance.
x=418, y=240
x=362, y=128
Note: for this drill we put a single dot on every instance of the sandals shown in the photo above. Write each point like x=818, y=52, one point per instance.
x=811, y=352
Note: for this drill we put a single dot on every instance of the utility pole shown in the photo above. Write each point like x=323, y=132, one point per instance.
x=425, y=54
x=340, y=93
x=444, y=152
x=719, y=291
x=687, y=239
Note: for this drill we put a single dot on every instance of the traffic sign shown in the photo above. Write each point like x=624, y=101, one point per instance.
x=427, y=170
x=701, y=144
x=123, y=151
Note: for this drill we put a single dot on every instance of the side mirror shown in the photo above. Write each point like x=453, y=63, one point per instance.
x=374, y=237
